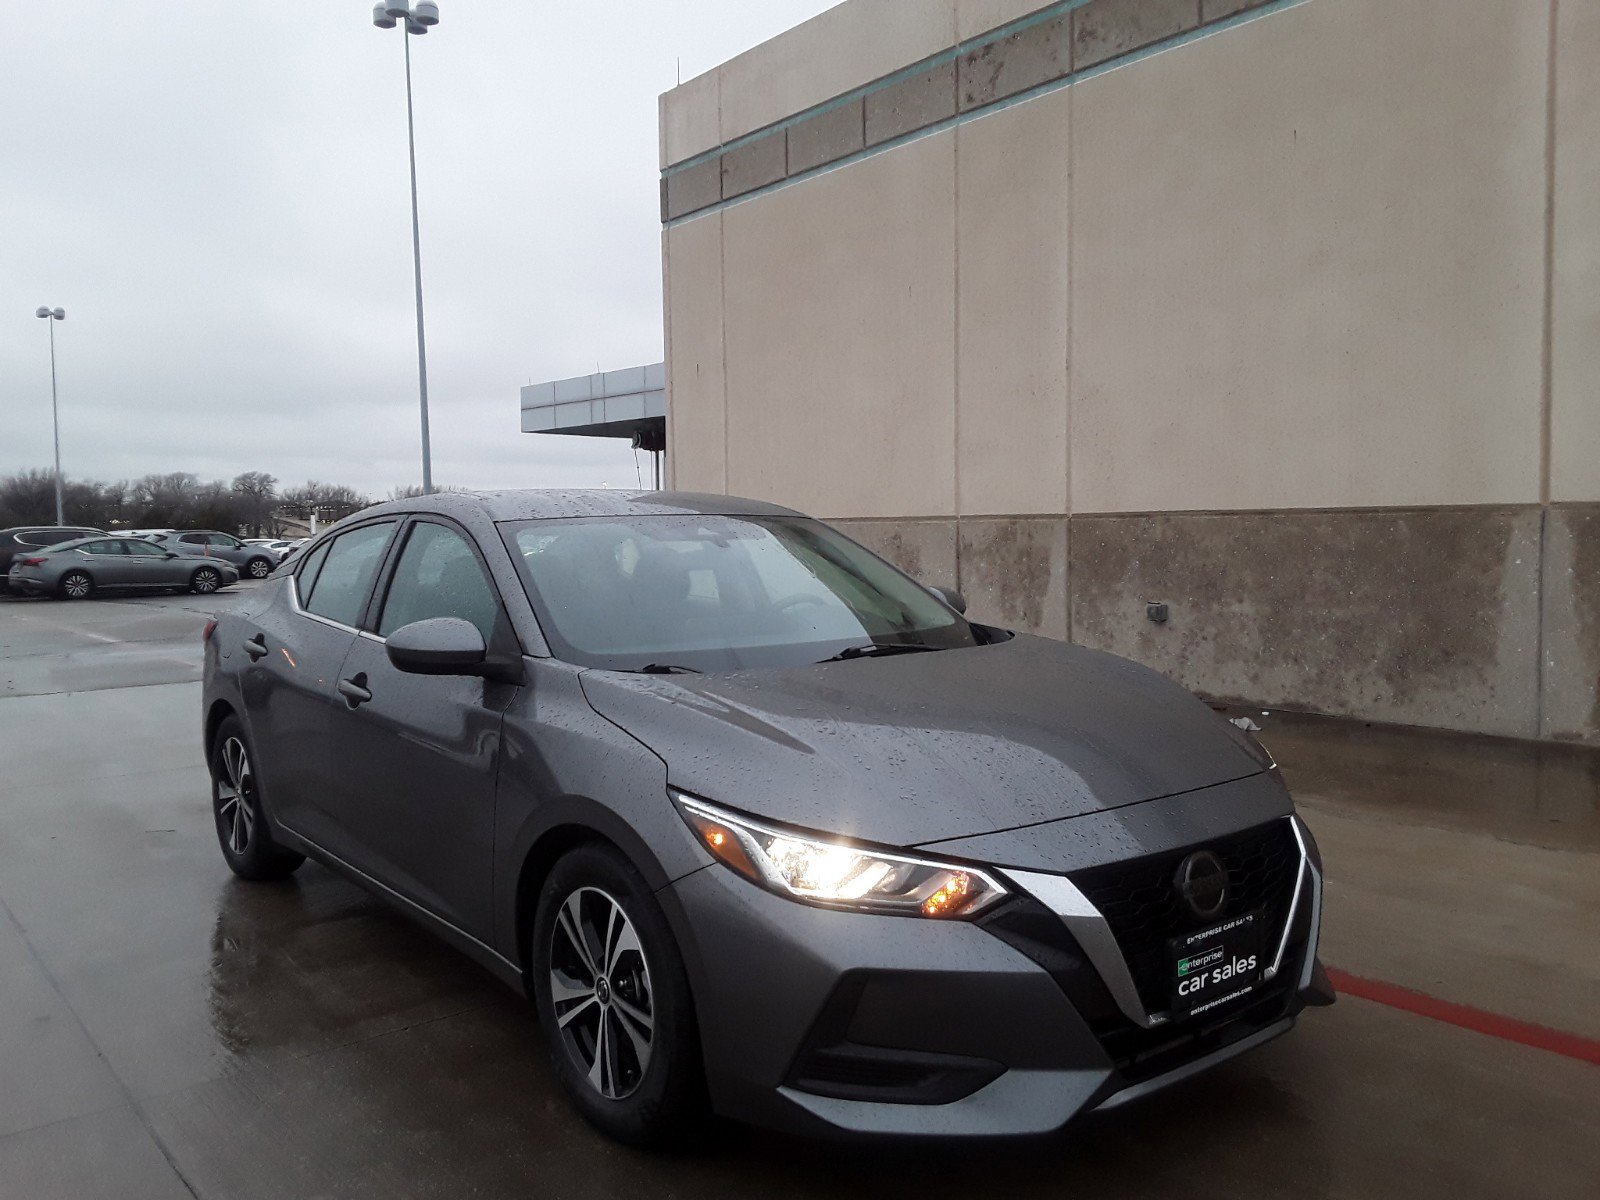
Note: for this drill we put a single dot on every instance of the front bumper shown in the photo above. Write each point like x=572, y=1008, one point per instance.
x=827, y=1022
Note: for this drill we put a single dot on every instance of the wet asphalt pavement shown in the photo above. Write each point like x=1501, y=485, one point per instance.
x=167, y=1031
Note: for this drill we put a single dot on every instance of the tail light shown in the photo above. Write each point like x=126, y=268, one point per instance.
x=32, y=562
x=211, y=627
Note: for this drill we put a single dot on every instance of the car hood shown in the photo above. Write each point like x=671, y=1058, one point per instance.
x=923, y=747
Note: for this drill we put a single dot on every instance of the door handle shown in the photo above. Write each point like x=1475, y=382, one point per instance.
x=256, y=647
x=355, y=690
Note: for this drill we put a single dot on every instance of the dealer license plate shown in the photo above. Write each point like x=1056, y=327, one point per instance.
x=1216, y=965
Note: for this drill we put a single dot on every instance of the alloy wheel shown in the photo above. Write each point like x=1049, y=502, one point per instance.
x=76, y=586
x=236, y=800
x=600, y=992
x=206, y=581
x=260, y=568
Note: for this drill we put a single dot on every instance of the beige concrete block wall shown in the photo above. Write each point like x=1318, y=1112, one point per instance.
x=840, y=323
x=842, y=48
x=1575, y=279
x=1012, y=304
x=696, y=425
x=1307, y=263
x=1270, y=323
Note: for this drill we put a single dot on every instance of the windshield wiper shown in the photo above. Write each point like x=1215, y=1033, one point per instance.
x=666, y=669
x=878, y=649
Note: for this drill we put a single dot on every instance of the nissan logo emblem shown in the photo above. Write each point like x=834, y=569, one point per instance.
x=1202, y=882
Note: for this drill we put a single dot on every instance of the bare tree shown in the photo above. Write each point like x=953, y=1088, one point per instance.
x=330, y=501
x=28, y=498
x=257, y=494
x=177, y=499
x=165, y=499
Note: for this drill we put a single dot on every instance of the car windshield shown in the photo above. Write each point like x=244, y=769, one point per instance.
x=710, y=593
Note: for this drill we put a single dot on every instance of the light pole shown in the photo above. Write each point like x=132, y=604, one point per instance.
x=418, y=18
x=52, y=315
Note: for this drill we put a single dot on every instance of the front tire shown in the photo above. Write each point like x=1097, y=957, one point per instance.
x=258, y=568
x=614, y=1001
x=205, y=581
x=75, y=585
x=242, y=828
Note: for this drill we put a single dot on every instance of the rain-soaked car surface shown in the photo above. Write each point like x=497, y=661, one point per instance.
x=759, y=822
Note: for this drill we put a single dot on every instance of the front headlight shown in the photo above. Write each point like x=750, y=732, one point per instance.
x=811, y=868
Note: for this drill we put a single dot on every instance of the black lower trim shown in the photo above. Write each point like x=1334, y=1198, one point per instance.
x=830, y=1064
x=882, y=1075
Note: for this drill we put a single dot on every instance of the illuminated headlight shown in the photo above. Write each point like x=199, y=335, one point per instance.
x=812, y=868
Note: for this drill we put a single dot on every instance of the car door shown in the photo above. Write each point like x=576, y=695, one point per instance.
x=149, y=565
x=109, y=563
x=293, y=647
x=423, y=751
x=229, y=549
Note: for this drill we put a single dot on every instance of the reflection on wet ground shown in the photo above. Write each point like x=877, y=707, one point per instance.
x=168, y=1031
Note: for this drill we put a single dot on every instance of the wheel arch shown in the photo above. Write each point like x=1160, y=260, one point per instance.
x=577, y=822
x=216, y=714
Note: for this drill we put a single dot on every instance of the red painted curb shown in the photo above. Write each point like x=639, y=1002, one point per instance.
x=1540, y=1037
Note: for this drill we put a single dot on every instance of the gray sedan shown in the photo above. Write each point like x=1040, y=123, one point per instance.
x=758, y=821
x=76, y=570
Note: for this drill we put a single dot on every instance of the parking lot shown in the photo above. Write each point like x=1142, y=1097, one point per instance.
x=166, y=1030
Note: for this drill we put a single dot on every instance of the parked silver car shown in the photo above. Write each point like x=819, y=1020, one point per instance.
x=76, y=570
x=256, y=562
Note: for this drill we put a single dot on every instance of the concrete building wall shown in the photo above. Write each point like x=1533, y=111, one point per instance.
x=1286, y=315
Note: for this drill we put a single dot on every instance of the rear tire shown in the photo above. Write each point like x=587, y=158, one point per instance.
x=243, y=830
x=626, y=1050
x=205, y=581
x=75, y=585
x=258, y=568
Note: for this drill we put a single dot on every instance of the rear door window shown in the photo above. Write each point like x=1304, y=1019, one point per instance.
x=340, y=589
x=107, y=547
x=306, y=578
x=48, y=537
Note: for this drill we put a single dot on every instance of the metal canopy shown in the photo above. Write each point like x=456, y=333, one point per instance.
x=631, y=403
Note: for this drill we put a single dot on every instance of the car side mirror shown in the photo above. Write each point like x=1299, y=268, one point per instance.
x=951, y=597
x=438, y=646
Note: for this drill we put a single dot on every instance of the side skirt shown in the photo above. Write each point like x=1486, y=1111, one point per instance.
x=485, y=956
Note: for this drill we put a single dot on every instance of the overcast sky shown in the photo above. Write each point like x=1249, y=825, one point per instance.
x=216, y=193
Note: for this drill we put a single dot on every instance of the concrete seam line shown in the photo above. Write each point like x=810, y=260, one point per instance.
x=1547, y=315
x=131, y=1101
x=1464, y=1016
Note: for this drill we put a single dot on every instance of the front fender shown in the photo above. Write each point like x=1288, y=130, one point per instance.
x=567, y=773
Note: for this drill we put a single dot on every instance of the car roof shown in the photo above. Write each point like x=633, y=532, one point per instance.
x=44, y=528
x=534, y=504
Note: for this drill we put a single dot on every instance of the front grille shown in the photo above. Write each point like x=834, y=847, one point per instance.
x=1140, y=903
